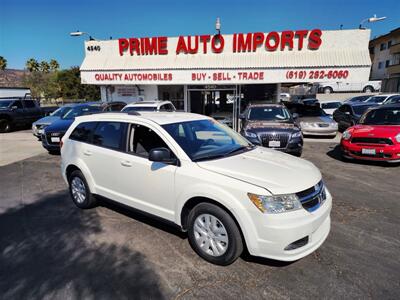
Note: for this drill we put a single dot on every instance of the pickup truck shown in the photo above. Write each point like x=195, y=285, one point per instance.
x=343, y=86
x=15, y=112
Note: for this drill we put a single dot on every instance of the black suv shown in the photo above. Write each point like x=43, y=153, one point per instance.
x=272, y=126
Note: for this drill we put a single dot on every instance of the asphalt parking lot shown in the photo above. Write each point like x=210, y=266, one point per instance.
x=49, y=249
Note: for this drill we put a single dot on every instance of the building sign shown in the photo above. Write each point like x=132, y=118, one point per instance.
x=241, y=58
x=249, y=42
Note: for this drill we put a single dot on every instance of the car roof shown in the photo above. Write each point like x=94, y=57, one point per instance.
x=265, y=105
x=160, y=118
x=152, y=103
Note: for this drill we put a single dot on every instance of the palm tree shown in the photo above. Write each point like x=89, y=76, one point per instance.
x=44, y=67
x=54, y=65
x=32, y=65
x=3, y=63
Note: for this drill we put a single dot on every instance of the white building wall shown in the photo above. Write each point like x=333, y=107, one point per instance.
x=128, y=93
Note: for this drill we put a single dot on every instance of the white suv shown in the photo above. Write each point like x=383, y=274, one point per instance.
x=204, y=177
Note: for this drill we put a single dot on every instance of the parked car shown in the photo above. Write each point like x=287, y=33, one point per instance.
x=358, y=99
x=272, y=126
x=20, y=112
x=53, y=133
x=376, y=137
x=348, y=114
x=155, y=105
x=205, y=177
x=344, y=86
x=39, y=125
x=330, y=106
x=314, y=121
x=309, y=101
x=381, y=99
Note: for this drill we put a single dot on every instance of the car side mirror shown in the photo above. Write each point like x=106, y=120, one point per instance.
x=242, y=117
x=14, y=107
x=162, y=155
x=295, y=116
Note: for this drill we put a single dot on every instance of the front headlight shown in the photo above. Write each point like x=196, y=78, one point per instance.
x=333, y=125
x=250, y=134
x=307, y=124
x=296, y=134
x=398, y=138
x=275, y=204
x=346, y=135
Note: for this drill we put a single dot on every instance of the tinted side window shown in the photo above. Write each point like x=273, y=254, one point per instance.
x=29, y=104
x=143, y=139
x=83, y=132
x=18, y=104
x=109, y=135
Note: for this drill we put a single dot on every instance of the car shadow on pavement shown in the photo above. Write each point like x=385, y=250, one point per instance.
x=336, y=153
x=46, y=252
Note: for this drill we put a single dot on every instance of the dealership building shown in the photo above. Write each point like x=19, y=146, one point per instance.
x=221, y=73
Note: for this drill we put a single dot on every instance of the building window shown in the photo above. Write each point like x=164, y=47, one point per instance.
x=389, y=44
x=380, y=65
x=387, y=63
x=173, y=93
x=371, y=50
x=383, y=46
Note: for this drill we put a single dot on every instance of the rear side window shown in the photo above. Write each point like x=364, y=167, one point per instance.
x=29, y=104
x=18, y=104
x=83, y=132
x=110, y=135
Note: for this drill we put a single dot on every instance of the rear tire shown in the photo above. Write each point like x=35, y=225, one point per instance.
x=368, y=89
x=5, y=126
x=328, y=90
x=214, y=235
x=80, y=192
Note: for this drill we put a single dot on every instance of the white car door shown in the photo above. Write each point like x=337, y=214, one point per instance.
x=143, y=184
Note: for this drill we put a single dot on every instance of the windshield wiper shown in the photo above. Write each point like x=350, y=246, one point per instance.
x=208, y=157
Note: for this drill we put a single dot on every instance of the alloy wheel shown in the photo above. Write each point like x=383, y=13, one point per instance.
x=78, y=190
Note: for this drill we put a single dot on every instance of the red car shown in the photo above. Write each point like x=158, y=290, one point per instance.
x=375, y=137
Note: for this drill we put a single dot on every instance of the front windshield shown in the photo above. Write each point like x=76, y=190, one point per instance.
x=331, y=105
x=269, y=114
x=61, y=111
x=387, y=116
x=80, y=111
x=5, y=103
x=140, y=108
x=376, y=99
x=207, y=139
x=359, y=110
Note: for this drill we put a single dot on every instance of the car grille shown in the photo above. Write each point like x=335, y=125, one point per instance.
x=367, y=140
x=282, y=137
x=312, y=198
x=324, y=125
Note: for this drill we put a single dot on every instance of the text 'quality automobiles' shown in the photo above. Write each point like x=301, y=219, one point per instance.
x=189, y=169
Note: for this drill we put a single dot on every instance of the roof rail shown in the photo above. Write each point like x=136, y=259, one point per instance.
x=133, y=113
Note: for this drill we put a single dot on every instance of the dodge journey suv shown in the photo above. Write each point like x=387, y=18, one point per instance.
x=189, y=169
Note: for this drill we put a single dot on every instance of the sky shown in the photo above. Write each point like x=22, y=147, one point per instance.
x=40, y=28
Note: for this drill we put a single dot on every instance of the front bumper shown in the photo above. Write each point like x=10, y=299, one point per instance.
x=389, y=153
x=48, y=145
x=274, y=233
x=294, y=146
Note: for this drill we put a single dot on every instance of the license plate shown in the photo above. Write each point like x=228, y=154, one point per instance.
x=368, y=151
x=274, y=144
x=55, y=139
x=40, y=131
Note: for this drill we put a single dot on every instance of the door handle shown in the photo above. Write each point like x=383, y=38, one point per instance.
x=126, y=163
x=87, y=152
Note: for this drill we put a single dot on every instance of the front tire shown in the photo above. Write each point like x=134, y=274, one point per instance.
x=79, y=191
x=368, y=89
x=214, y=235
x=328, y=90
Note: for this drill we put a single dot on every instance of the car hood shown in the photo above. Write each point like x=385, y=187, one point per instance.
x=384, y=131
x=320, y=119
x=260, y=126
x=46, y=120
x=275, y=171
x=60, y=125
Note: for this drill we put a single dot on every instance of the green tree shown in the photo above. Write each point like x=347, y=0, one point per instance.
x=3, y=63
x=54, y=65
x=70, y=87
x=44, y=67
x=32, y=65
